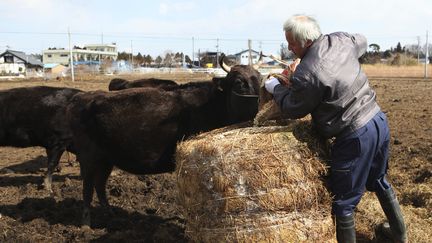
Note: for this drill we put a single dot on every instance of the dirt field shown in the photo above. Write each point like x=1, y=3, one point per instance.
x=145, y=209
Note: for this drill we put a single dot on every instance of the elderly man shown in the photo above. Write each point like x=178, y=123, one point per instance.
x=330, y=85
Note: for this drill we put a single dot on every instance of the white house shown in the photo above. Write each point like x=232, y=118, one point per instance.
x=89, y=54
x=54, y=70
x=243, y=57
x=17, y=62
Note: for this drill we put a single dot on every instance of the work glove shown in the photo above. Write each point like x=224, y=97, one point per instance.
x=270, y=84
x=283, y=78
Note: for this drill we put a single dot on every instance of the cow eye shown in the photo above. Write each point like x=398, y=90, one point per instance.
x=240, y=84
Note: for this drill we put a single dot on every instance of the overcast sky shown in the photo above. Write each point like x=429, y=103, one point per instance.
x=155, y=27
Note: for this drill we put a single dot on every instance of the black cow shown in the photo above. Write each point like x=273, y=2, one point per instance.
x=119, y=84
x=35, y=116
x=137, y=129
x=242, y=78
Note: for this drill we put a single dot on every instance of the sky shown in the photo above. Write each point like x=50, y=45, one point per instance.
x=157, y=27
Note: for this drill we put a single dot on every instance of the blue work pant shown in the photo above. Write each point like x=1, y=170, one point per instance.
x=359, y=162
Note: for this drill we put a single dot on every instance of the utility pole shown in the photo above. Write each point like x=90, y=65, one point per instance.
x=418, y=49
x=132, y=55
x=193, y=51
x=217, y=52
x=71, y=57
x=100, y=55
x=426, y=57
x=199, y=60
x=250, y=51
x=183, y=60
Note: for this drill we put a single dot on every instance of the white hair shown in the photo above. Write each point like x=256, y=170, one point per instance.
x=302, y=28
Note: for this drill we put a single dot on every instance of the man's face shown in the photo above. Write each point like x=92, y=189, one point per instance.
x=295, y=46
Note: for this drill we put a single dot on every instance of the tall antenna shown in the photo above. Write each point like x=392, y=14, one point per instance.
x=426, y=57
x=193, y=51
x=250, y=51
x=217, y=52
x=132, y=55
x=71, y=56
x=418, y=49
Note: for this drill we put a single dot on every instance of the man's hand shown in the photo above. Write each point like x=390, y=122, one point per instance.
x=294, y=64
x=270, y=84
x=283, y=79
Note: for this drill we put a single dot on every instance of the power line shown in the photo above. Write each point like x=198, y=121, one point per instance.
x=125, y=35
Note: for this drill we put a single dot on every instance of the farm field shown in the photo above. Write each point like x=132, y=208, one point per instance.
x=145, y=208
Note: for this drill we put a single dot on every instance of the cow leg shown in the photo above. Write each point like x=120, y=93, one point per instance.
x=88, y=175
x=101, y=177
x=54, y=155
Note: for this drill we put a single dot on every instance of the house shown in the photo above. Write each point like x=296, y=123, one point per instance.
x=54, y=70
x=17, y=62
x=243, y=57
x=89, y=54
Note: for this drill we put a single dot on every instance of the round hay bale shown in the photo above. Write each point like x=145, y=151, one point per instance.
x=266, y=227
x=255, y=184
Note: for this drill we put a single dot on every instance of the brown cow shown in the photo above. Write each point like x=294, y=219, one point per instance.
x=35, y=116
x=137, y=129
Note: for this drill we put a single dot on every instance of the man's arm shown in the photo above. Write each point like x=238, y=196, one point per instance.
x=298, y=100
x=360, y=43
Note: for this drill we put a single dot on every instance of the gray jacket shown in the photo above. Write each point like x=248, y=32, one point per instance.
x=329, y=84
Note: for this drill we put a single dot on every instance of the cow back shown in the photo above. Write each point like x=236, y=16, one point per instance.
x=119, y=84
x=33, y=116
x=134, y=129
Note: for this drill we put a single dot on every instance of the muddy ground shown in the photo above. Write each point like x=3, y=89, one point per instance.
x=144, y=208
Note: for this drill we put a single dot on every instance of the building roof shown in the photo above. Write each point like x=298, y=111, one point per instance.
x=28, y=59
x=51, y=65
x=98, y=45
x=247, y=50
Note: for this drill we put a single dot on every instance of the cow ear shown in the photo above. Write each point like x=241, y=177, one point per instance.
x=195, y=97
x=117, y=84
x=221, y=83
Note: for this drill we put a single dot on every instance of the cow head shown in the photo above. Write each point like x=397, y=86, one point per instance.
x=241, y=87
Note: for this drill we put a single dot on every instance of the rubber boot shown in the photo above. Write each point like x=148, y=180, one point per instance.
x=345, y=229
x=395, y=228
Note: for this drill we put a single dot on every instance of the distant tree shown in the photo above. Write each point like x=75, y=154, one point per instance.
x=168, y=60
x=139, y=59
x=148, y=60
x=387, y=54
x=375, y=47
x=396, y=60
x=158, y=60
x=123, y=56
x=187, y=59
x=370, y=58
x=178, y=57
x=413, y=49
x=399, y=48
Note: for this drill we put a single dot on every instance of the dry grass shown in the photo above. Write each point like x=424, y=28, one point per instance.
x=382, y=70
x=255, y=184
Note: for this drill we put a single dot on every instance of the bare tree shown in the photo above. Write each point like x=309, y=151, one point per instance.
x=168, y=60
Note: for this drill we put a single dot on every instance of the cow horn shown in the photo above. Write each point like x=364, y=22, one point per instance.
x=224, y=66
x=259, y=63
x=279, y=60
